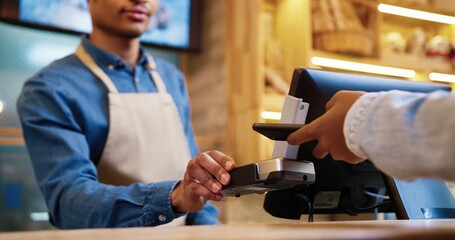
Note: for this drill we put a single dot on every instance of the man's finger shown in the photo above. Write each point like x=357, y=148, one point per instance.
x=199, y=191
x=203, y=177
x=223, y=159
x=213, y=167
x=303, y=135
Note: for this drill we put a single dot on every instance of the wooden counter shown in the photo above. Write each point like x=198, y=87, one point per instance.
x=396, y=229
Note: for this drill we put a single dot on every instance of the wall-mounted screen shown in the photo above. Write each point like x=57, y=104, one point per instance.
x=176, y=24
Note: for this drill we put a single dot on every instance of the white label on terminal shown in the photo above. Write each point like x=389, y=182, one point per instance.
x=326, y=200
x=294, y=111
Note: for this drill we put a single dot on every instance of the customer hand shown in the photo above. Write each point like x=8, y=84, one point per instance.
x=203, y=180
x=328, y=129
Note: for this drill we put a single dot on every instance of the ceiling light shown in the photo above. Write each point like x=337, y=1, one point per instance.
x=362, y=67
x=442, y=77
x=271, y=115
x=411, y=13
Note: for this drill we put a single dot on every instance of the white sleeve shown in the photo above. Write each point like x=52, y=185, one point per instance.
x=406, y=135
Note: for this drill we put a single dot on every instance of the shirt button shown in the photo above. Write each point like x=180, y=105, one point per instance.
x=111, y=67
x=162, y=218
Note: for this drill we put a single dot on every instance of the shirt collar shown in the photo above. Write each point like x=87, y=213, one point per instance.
x=108, y=60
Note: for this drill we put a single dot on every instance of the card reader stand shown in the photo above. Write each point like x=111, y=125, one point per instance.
x=269, y=175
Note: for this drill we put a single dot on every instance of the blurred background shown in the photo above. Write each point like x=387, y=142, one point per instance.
x=237, y=73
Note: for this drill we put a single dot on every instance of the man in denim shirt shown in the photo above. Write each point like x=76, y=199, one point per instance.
x=109, y=134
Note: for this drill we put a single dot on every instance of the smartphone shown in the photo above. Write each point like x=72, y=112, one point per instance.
x=276, y=131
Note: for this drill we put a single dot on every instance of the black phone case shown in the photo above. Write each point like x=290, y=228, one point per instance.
x=276, y=131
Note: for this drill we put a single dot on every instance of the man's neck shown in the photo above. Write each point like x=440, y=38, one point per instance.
x=126, y=48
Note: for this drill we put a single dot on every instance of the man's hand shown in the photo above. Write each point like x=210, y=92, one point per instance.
x=203, y=180
x=328, y=129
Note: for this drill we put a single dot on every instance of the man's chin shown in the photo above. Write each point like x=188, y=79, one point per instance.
x=132, y=34
x=131, y=31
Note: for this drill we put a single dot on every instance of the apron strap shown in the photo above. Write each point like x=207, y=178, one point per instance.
x=155, y=76
x=88, y=61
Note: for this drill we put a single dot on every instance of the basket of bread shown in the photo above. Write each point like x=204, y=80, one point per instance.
x=344, y=26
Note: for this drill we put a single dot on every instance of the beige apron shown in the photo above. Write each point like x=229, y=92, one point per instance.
x=146, y=141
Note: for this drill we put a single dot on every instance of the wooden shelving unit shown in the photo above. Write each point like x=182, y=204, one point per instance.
x=422, y=64
x=251, y=26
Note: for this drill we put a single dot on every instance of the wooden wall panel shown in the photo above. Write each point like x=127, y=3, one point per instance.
x=293, y=27
x=205, y=71
x=244, y=76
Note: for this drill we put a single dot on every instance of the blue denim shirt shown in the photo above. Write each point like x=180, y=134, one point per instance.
x=64, y=116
